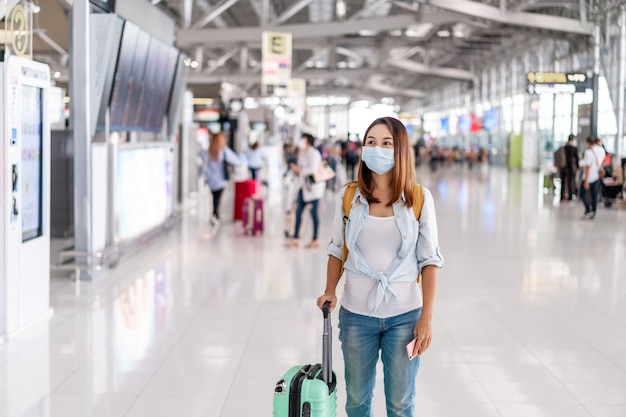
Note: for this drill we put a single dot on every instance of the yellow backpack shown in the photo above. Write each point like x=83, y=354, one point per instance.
x=418, y=202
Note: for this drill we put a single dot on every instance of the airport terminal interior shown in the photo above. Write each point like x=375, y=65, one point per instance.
x=122, y=294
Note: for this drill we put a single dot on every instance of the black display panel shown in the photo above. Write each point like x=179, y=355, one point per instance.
x=166, y=68
x=123, y=73
x=30, y=172
x=130, y=120
x=104, y=5
x=143, y=82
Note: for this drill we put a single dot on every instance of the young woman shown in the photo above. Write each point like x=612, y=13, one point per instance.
x=382, y=308
x=216, y=170
x=310, y=192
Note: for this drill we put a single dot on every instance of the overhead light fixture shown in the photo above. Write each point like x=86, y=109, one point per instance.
x=203, y=101
x=366, y=32
x=194, y=64
x=443, y=33
x=56, y=74
x=340, y=9
x=418, y=31
x=342, y=64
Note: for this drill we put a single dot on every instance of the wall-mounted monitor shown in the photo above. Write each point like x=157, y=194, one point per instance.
x=161, y=68
x=104, y=5
x=143, y=81
x=123, y=74
x=30, y=173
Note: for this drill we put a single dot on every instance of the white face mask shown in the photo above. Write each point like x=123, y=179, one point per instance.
x=379, y=160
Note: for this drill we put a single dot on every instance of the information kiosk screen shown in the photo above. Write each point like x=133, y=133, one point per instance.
x=29, y=176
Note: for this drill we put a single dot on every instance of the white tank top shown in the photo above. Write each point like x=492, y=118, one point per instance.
x=379, y=242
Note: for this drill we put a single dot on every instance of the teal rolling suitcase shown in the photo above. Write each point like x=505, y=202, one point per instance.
x=309, y=390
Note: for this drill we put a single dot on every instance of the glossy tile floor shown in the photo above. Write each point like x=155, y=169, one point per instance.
x=530, y=316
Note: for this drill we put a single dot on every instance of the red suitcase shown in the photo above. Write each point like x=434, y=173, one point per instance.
x=243, y=190
x=252, y=212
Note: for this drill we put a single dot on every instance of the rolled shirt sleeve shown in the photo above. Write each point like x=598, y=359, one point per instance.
x=335, y=246
x=427, y=248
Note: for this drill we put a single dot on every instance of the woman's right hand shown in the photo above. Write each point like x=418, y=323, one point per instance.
x=327, y=297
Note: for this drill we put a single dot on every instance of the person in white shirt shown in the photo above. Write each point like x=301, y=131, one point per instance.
x=310, y=191
x=382, y=307
x=590, y=188
x=255, y=159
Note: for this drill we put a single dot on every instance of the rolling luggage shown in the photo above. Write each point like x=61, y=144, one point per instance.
x=309, y=390
x=243, y=190
x=252, y=216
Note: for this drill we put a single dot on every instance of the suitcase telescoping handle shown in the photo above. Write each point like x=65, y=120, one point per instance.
x=327, y=352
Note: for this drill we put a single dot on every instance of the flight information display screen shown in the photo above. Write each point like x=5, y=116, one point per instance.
x=29, y=175
x=121, y=98
x=143, y=81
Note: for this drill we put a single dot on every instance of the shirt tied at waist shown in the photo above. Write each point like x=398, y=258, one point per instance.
x=383, y=291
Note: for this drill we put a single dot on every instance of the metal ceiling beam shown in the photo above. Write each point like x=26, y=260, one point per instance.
x=316, y=43
x=416, y=67
x=534, y=20
x=307, y=75
x=210, y=37
x=314, y=57
x=215, y=12
x=64, y=54
x=222, y=60
x=369, y=8
x=290, y=12
x=377, y=82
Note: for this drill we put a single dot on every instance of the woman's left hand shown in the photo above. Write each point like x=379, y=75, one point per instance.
x=424, y=333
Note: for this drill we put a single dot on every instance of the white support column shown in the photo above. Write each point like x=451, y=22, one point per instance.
x=621, y=80
x=80, y=111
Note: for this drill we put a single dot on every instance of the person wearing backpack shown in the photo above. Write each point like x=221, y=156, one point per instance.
x=384, y=236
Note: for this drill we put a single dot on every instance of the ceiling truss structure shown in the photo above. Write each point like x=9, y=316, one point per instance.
x=399, y=48
x=403, y=48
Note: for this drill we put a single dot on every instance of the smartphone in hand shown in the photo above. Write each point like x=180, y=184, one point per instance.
x=410, y=347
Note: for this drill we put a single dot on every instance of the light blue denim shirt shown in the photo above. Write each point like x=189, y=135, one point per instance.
x=214, y=170
x=420, y=244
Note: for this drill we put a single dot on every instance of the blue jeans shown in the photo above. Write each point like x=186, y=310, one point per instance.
x=314, y=215
x=362, y=337
x=594, y=190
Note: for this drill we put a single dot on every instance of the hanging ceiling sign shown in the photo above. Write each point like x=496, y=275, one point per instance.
x=557, y=82
x=276, y=63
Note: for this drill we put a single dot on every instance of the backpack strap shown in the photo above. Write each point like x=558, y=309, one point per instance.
x=348, y=196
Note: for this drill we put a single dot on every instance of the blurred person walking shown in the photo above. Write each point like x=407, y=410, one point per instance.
x=590, y=187
x=560, y=162
x=310, y=192
x=255, y=159
x=571, y=168
x=217, y=171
